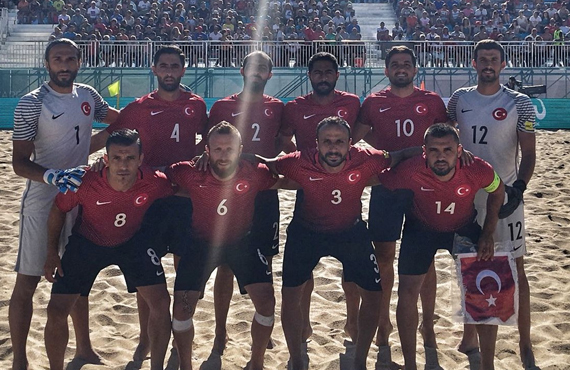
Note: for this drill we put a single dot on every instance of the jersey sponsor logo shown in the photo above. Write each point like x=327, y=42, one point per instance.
x=56, y=117
x=236, y=114
x=86, y=108
x=354, y=177
x=463, y=190
x=342, y=113
x=189, y=111
x=315, y=178
x=99, y=203
x=242, y=187
x=421, y=109
x=309, y=116
x=426, y=189
x=268, y=112
x=466, y=110
x=382, y=110
x=154, y=113
x=141, y=200
x=500, y=114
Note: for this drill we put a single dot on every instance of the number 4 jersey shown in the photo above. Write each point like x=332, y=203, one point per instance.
x=399, y=123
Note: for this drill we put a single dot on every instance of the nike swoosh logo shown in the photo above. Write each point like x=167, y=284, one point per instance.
x=377, y=280
x=268, y=272
x=102, y=203
x=425, y=189
x=517, y=248
x=315, y=178
x=56, y=117
x=466, y=110
x=275, y=246
x=203, y=186
x=236, y=114
x=309, y=116
x=155, y=113
x=158, y=273
x=384, y=110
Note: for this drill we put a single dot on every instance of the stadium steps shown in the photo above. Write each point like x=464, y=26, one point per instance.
x=15, y=54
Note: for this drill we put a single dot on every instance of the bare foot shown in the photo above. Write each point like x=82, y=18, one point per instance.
x=527, y=358
x=141, y=352
x=89, y=356
x=220, y=342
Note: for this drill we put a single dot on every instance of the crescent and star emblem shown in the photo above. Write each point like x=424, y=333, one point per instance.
x=188, y=111
x=485, y=274
x=86, y=108
x=354, y=177
x=421, y=109
x=463, y=190
x=141, y=199
x=341, y=113
x=500, y=114
x=268, y=112
x=242, y=186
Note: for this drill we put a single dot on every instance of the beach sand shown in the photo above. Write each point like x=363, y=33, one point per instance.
x=114, y=322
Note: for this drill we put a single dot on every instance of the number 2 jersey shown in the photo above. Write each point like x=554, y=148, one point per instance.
x=222, y=210
x=167, y=128
x=108, y=217
x=331, y=201
x=398, y=123
x=438, y=205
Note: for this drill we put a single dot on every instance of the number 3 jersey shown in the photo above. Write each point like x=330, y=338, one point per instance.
x=258, y=123
x=399, y=123
x=167, y=128
x=108, y=217
x=437, y=205
x=222, y=210
x=331, y=201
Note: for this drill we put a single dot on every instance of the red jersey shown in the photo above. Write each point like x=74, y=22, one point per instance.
x=222, y=210
x=302, y=115
x=258, y=123
x=167, y=128
x=331, y=201
x=108, y=217
x=440, y=206
x=399, y=123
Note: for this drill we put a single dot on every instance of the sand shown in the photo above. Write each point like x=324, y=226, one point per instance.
x=114, y=325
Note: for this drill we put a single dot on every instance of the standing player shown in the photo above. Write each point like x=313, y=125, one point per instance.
x=397, y=118
x=223, y=198
x=168, y=121
x=258, y=118
x=495, y=122
x=52, y=129
x=443, y=194
x=300, y=119
x=113, y=202
x=328, y=222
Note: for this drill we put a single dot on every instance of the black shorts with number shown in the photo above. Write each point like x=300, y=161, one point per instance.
x=83, y=260
x=249, y=265
x=419, y=245
x=170, y=220
x=386, y=213
x=353, y=248
x=265, y=228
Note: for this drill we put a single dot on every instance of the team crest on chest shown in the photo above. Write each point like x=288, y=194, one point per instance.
x=86, y=108
x=241, y=187
x=342, y=113
x=500, y=114
x=354, y=177
x=463, y=190
x=268, y=112
x=421, y=109
x=189, y=111
x=141, y=199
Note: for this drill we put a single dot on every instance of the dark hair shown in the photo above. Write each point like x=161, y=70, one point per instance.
x=334, y=120
x=223, y=128
x=258, y=54
x=489, y=44
x=62, y=41
x=325, y=57
x=439, y=130
x=124, y=137
x=400, y=49
x=169, y=49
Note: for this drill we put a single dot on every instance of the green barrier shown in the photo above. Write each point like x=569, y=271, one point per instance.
x=551, y=114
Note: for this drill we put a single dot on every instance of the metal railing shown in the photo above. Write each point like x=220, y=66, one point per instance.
x=4, y=32
x=355, y=54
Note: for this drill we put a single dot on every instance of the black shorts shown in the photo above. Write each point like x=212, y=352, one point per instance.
x=353, y=248
x=419, y=245
x=83, y=260
x=249, y=265
x=386, y=212
x=170, y=220
x=265, y=228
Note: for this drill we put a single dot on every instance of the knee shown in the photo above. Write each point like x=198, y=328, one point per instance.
x=58, y=311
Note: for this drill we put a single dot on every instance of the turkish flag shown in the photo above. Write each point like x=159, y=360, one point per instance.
x=489, y=289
